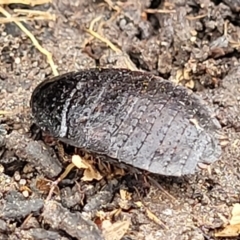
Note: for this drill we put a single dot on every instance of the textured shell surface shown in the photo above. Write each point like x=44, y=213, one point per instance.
x=136, y=118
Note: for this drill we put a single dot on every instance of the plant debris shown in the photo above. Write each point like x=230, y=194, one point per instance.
x=233, y=228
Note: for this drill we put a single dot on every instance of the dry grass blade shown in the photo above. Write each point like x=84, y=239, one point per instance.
x=27, y=2
x=151, y=215
x=159, y=11
x=26, y=220
x=30, y=14
x=196, y=17
x=2, y=112
x=161, y=188
x=34, y=41
x=111, y=5
x=130, y=65
x=102, y=39
x=154, y=218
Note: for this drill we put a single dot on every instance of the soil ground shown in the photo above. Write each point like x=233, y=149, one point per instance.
x=194, y=43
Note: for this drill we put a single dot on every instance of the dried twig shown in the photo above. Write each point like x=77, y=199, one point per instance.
x=55, y=183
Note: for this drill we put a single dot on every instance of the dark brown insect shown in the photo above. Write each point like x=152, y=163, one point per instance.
x=133, y=117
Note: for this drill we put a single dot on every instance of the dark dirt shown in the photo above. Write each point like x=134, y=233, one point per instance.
x=196, y=46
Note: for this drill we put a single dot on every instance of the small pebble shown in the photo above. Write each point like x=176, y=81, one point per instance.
x=22, y=182
x=1, y=168
x=25, y=193
x=17, y=176
x=17, y=60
